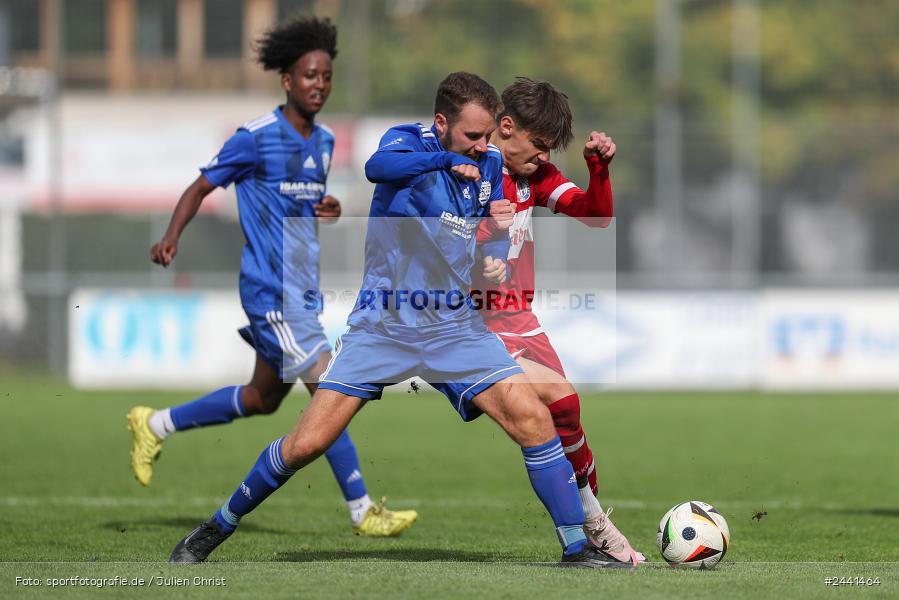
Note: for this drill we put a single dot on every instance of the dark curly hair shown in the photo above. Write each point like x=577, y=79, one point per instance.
x=282, y=46
x=540, y=109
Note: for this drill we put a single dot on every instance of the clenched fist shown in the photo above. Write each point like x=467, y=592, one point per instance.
x=601, y=145
x=503, y=213
x=466, y=171
x=164, y=251
x=328, y=210
x=494, y=269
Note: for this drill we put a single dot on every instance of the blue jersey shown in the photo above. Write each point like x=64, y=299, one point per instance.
x=421, y=240
x=278, y=174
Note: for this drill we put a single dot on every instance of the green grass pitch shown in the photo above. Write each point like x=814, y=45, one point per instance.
x=823, y=467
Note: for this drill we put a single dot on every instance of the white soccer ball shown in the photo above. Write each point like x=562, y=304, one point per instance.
x=693, y=534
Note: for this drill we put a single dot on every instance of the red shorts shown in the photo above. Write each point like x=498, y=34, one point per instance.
x=534, y=347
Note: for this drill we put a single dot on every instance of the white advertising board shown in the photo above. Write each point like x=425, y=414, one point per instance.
x=684, y=340
x=815, y=340
x=146, y=339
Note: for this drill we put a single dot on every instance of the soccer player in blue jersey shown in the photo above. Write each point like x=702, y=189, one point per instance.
x=279, y=164
x=411, y=318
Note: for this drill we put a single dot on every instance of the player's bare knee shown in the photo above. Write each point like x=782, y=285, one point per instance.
x=251, y=399
x=552, y=392
x=270, y=403
x=522, y=403
x=538, y=420
x=531, y=424
x=262, y=400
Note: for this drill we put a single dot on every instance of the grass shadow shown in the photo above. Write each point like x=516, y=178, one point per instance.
x=417, y=554
x=182, y=523
x=869, y=512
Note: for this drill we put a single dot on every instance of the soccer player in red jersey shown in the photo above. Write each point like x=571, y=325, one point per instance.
x=535, y=120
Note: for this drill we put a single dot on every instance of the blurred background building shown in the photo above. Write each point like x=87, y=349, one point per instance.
x=758, y=143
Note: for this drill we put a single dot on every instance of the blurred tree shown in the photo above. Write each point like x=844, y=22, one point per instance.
x=830, y=73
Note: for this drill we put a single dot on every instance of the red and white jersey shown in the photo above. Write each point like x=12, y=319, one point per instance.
x=507, y=307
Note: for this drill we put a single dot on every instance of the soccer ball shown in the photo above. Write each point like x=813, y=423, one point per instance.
x=693, y=534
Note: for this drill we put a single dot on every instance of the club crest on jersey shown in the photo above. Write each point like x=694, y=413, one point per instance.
x=523, y=187
x=484, y=194
x=326, y=161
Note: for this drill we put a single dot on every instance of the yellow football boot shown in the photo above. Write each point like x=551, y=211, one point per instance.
x=380, y=522
x=145, y=446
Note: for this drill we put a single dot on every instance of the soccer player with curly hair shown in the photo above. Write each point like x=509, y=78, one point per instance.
x=279, y=164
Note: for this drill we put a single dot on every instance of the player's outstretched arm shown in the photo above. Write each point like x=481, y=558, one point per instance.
x=164, y=251
x=402, y=167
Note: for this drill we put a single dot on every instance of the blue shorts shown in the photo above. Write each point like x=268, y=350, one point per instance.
x=291, y=347
x=460, y=364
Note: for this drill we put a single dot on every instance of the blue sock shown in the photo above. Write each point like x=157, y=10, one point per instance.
x=267, y=475
x=219, y=407
x=553, y=479
x=345, y=465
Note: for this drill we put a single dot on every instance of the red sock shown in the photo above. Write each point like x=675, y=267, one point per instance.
x=566, y=414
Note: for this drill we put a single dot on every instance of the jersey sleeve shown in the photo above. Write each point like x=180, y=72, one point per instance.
x=593, y=206
x=235, y=161
x=400, y=139
x=402, y=156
